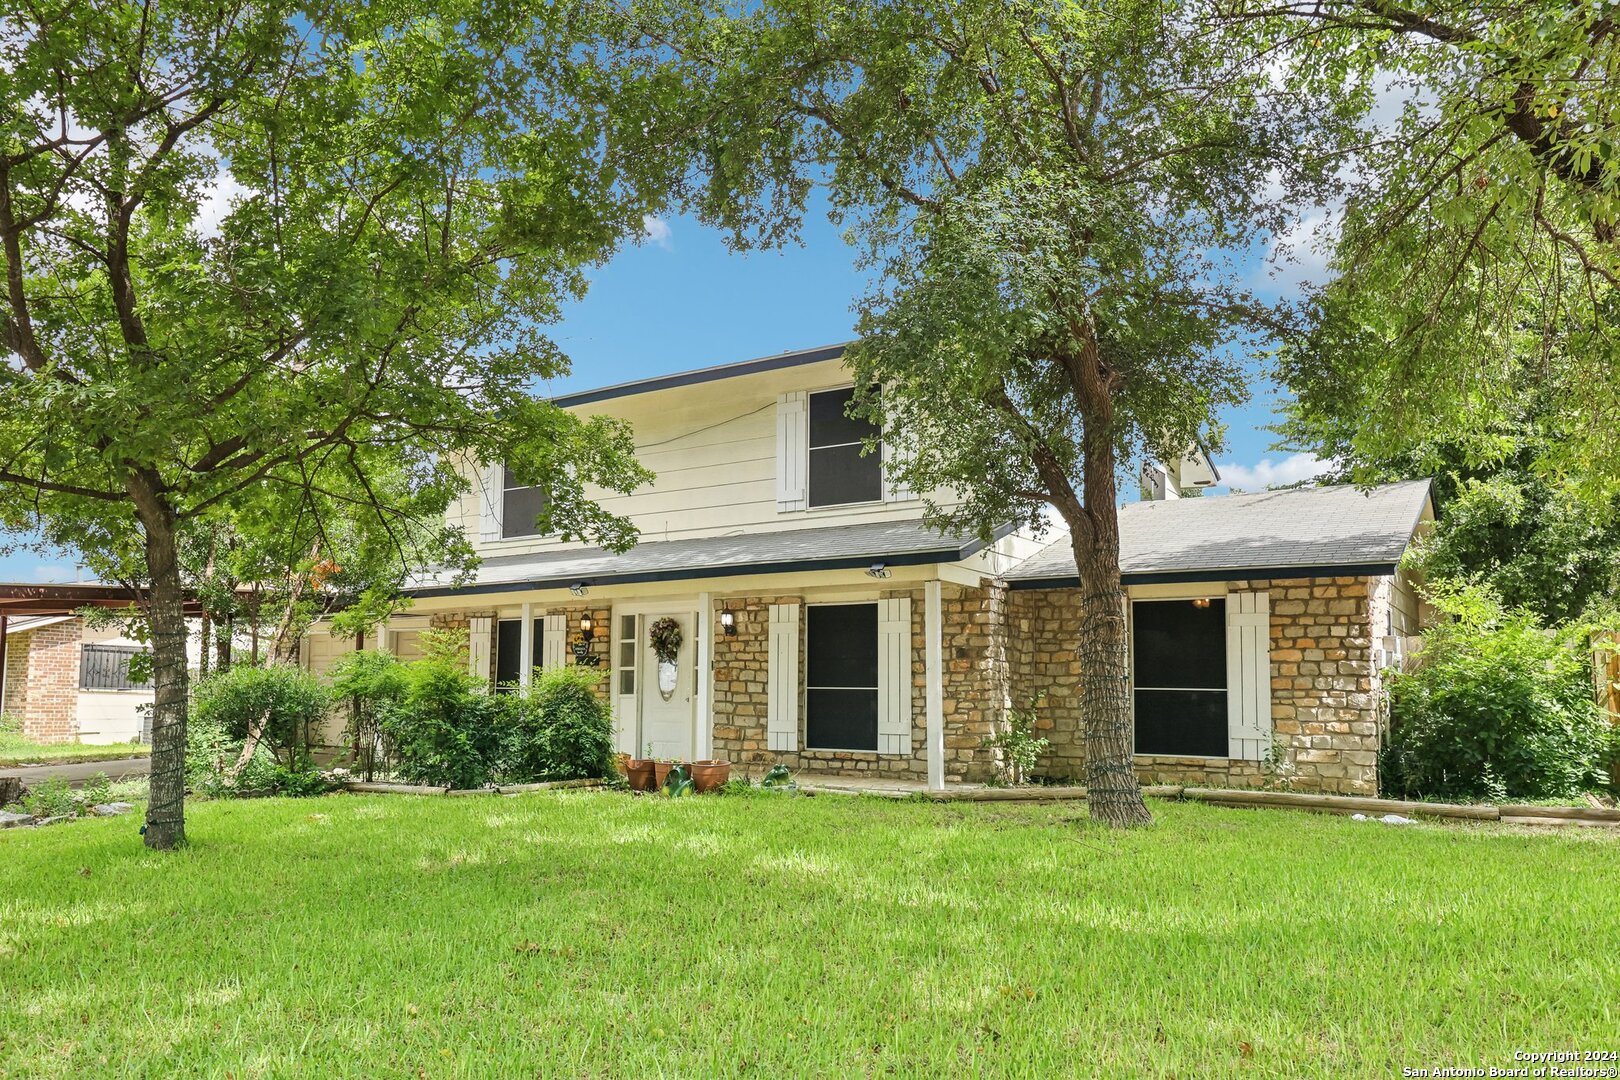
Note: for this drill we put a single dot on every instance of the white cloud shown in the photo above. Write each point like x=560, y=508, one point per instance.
x=1299, y=257
x=220, y=200
x=657, y=230
x=1266, y=473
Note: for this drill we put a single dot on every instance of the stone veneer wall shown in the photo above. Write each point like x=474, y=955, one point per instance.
x=45, y=692
x=1326, y=710
x=973, y=693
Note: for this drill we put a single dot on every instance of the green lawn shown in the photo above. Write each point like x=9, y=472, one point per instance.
x=592, y=934
x=17, y=752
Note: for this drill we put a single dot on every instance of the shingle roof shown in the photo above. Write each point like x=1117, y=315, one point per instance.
x=898, y=543
x=1294, y=528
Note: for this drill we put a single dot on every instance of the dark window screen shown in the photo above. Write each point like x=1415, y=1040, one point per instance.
x=838, y=472
x=508, y=652
x=1179, y=673
x=520, y=506
x=841, y=667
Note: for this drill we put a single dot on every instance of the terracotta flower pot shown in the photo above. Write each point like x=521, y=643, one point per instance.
x=639, y=771
x=709, y=775
x=661, y=773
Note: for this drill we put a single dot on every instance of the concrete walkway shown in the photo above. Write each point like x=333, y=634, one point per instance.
x=77, y=772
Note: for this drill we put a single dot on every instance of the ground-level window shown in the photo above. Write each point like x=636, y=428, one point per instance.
x=1178, y=669
x=106, y=667
x=841, y=677
x=509, y=651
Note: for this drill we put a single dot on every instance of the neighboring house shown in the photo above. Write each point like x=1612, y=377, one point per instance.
x=823, y=626
x=69, y=682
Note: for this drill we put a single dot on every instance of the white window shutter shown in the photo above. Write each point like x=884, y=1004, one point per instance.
x=480, y=642
x=782, y=676
x=893, y=489
x=1248, y=674
x=490, y=482
x=554, y=641
x=894, y=676
x=792, y=450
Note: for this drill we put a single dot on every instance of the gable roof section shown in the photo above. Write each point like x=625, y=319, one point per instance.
x=894, y=543
x=1342, y=529
x=702, y=375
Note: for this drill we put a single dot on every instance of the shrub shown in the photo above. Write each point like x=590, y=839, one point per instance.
x=280, y=701
x=369, y=683
x=444, y=729
x=211, y=763
x=1020, y=748
x=1498, y=707
x=557, y=728
x=51, y=797
x=11, y=736
x=97, y=789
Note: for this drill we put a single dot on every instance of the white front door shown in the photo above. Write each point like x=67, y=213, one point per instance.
x=667, y=697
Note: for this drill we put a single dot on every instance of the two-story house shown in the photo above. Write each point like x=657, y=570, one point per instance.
x=822, y=625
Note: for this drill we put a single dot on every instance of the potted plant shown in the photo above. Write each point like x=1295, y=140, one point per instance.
x=661, y=772
x=639, y=772
x=710, y=775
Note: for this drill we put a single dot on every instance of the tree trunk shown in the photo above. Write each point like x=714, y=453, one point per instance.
x=222, y=651
x=1112, y=793
x=165, y=813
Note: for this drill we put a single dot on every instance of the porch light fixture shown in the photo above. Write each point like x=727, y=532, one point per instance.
x=877, y=570
x=1201, y=602
x=728, y=622
x=587, y=627
x=578, y=588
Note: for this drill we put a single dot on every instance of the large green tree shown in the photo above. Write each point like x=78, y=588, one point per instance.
x=1479, y=259
x=1047, y=195
x=253, y=252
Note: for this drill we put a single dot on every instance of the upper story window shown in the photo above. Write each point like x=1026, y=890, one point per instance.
x=839, y=475
x=521, y=504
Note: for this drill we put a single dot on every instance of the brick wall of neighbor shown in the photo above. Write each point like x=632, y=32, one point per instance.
x=16, y=700
x=50, y=711
x=1326, y=706
x=973, y=638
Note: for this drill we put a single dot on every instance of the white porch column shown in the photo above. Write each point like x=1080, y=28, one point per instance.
x=704, y=745
x=383, y=643
x=526, y=646
x=934, y=674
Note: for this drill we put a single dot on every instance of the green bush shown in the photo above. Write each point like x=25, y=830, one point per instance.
x=1498, y=707
x=445, y=730
x=557, y=728
x=368, y=682
x=51, y=797
x=282, y=701
x=11, y=736
x=212, y=755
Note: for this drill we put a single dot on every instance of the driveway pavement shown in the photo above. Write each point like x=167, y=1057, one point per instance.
x=77, y=772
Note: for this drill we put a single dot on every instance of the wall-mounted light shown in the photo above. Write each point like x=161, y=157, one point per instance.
x=578, y=588
x=587, y=627
x=728, y=622
x=1201, y=602
x=877, y=570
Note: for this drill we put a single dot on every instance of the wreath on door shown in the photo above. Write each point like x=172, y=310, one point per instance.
x=664, y=635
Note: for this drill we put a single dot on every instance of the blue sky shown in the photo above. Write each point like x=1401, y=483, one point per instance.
x=681, y=300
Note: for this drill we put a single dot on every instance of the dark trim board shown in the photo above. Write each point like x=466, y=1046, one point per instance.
x=1179, y=577
x=861, y=562
x=702, y=375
